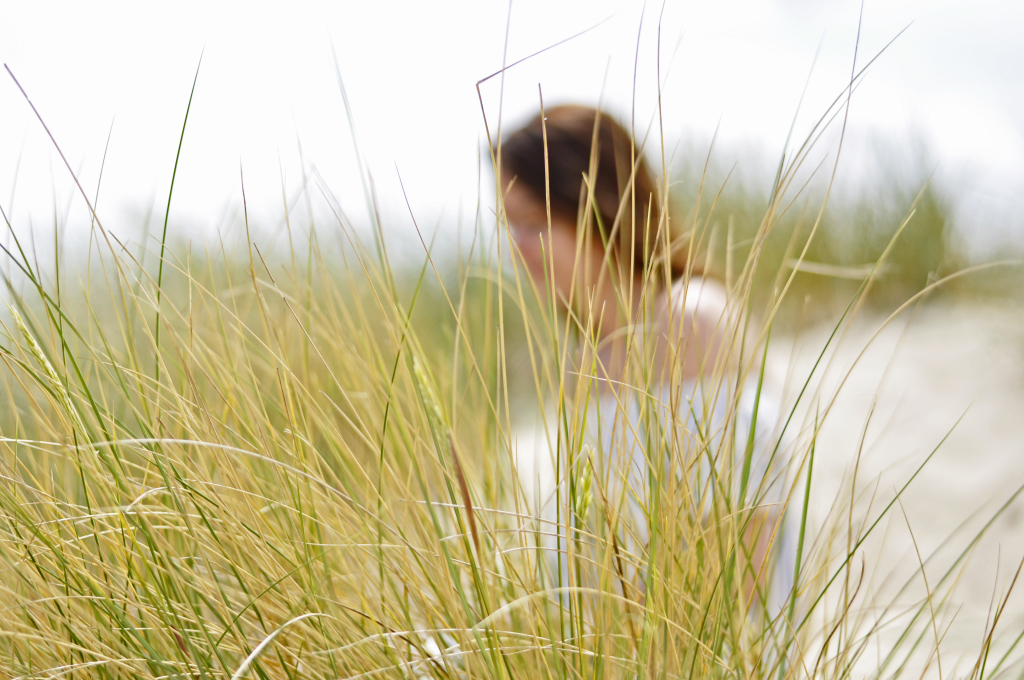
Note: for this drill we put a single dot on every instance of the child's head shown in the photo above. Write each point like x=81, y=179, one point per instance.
x=583, y=145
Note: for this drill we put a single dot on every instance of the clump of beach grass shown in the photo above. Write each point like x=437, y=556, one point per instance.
x=254, y=465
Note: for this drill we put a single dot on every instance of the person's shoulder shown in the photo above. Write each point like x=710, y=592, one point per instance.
x=699, y=297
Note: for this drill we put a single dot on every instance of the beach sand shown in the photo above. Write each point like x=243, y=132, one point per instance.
x=943, y=374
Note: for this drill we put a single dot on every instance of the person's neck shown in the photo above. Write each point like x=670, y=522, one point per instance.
x=614, y=311
x=612, y=322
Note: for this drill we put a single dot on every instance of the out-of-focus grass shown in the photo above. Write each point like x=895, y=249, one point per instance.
x=853, y=231
x=321, y=481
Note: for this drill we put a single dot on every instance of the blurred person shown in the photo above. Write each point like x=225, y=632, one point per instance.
x=590, y=224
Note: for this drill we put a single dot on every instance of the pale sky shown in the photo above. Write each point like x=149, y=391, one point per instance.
x=953, y=81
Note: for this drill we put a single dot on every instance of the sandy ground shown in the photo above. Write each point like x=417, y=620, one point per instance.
x=945, y=370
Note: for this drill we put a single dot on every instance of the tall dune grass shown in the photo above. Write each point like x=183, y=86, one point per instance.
x=312, y=473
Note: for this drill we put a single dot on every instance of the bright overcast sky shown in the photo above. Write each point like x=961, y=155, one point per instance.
x=954, y=81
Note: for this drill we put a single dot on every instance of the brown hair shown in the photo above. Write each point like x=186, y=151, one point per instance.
x=571, y=135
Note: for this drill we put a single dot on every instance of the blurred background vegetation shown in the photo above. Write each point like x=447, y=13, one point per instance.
x=856, y=228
